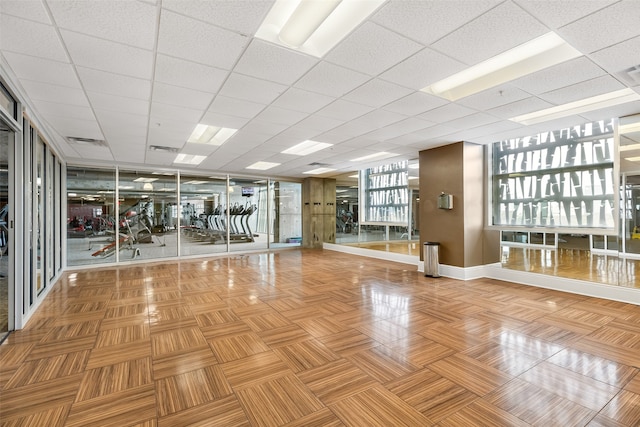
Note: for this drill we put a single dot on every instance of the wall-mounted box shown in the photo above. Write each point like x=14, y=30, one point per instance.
x=445, y=201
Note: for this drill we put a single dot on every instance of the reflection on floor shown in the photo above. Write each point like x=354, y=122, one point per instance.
x=313, y=337
x=401, y=247
x=574, y=264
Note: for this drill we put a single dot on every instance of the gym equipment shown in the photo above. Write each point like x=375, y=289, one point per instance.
x=213, y=227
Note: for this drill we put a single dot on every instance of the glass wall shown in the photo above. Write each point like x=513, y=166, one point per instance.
x=286, y=211
x=146, y=212
x=7, y=298
x=249, y=227
x=156, y=218
x=203, y=215
x=91, y=216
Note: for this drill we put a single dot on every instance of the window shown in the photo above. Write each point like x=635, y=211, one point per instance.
x=563, y=178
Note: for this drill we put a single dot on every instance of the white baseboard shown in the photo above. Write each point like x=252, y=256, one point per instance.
x=370, y=253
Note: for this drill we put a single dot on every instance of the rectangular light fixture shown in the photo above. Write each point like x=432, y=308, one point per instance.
x=211, y=135
x=629, y=128
x=189, y=159
x=629, y=147
x=143, y=179
x=380, y=155
x=263, y=166
x=354, y=176
x=633, y=159
x=577, y=107
x=318, y=171
x=534, y=55
x=314, y=26
x=306, y=147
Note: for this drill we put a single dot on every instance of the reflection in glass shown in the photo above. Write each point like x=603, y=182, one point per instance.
x=248, y=211
x=286, y=214
x=147, y=215
x=91, y=216
x=203, y=215
x=6, y=136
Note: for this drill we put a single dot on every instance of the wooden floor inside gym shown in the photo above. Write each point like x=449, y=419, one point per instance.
x=317, y=338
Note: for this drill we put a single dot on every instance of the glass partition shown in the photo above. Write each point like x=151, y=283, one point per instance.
x=203, y=215
x=248, y=214
x=146, y=215
x=91, y=216
x=286, y=214
x=7, y=137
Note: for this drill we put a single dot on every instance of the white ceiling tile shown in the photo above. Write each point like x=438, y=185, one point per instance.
x=135, y=124
x=494, y=97
x=131, y=154
x=618, y=22
x=302, y=100
x=235, y=107
x=43, y=70
x=198, y=149
x=159, y=158
x=593, y=87
x=251, y=89
x=472, y=121
x=517, y=108
x=280, y=116
x=620, y=56
x=94, y=153
x=372, y=49
x=178, y=72
x=428, y=21
x=128, y=22
x=194, y=40
x=377, y=93
x=31, y=38
x=330, y=79
x=103, y=101
x=217, y=119
x=616, y=111
x=167, y=139
x=400, y=128
x=32, y=10
x=558, y=76
x=318, y=124
x=108, y=56
x=183, y=97
x=422, y=69
x=555, y=14
x=53, y=93
x=415, y=103
x=66, y=126
x=66, y=110
x=498, y=30
x=242, y=16
x=446, y=113
x=114, y=84
x=262, y=127
x=344, y=110
x=267, y=61
x=162, y=112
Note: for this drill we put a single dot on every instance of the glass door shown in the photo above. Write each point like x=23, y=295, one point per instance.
x=7, y=138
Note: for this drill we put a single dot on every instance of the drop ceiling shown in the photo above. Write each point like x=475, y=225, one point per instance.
x=138, y=74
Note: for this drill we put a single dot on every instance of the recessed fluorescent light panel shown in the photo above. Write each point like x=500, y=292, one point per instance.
x=263, y=166
x=211, y=135
x=577, y=107
x=380, y=155
x=306, y=147
x=535, y=55
x=189, y=159
x=318, y=171
x=314, y=26
x=142, y=179
x=633, y=159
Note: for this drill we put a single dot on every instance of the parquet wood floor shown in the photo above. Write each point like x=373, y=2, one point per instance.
x=317, y=338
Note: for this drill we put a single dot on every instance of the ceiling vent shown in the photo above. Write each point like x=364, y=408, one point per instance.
x=163, y=148
x=632, y=75
x=87, y=141
x=319, y=164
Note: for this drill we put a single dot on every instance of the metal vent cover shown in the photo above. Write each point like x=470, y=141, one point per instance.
x=163, y=148
x=86, y=141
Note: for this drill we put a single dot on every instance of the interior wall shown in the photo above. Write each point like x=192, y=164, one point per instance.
x=457, y=169
x=442, y=170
